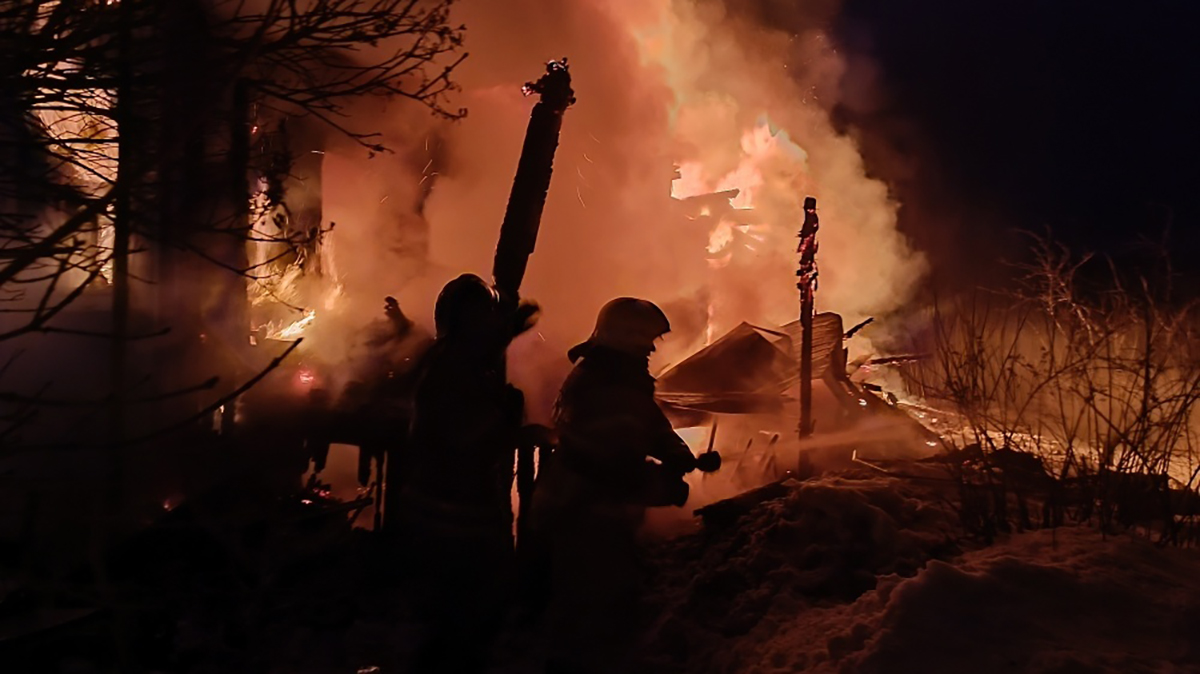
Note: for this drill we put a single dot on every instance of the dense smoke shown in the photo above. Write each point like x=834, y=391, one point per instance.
x=659, y=84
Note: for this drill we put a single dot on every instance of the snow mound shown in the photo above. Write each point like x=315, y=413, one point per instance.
x=862, y=576
x=821, y=541
x=1047, y=602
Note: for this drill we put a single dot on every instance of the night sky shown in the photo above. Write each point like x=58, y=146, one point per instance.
x=1080, y=117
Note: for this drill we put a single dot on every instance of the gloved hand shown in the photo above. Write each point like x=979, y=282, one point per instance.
x=391, y=309
x=525, y=317
x=708, y=462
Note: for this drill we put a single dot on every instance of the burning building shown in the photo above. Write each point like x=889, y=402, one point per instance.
x=680, y=179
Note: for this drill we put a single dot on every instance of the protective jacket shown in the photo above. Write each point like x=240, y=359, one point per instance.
x=455, y=505
x=589, y=501
x=608, y=425
x=460, y=463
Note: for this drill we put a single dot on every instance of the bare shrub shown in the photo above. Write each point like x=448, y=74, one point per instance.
x=1078, y=398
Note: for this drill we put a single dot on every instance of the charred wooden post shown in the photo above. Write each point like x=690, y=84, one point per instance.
x=522, y=219
x=806, y=274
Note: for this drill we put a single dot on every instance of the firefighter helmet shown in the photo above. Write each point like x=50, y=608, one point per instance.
x=630, y=325
x=466, y=302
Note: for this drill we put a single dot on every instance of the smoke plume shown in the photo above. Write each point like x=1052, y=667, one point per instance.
x=660, y=84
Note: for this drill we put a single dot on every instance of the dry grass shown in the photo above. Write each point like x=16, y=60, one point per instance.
x=1076, y=403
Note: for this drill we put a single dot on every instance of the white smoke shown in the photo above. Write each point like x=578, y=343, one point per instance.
x=659, y=83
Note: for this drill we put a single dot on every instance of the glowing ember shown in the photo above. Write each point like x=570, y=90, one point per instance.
x=305, y=380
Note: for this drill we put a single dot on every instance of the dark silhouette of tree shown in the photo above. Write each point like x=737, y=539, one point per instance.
x=127, y=130
x=127, y=149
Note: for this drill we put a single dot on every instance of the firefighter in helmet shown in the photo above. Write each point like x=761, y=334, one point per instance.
x=617, y=455
x=457, y=515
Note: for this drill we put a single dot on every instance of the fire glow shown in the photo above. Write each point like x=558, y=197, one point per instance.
x=305, y=378
x=678, y=86
x=738, y=231
x=296, y=329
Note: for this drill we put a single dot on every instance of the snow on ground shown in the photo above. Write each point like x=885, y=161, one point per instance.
x=858, y=574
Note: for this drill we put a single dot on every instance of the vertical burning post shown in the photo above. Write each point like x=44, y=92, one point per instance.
x=522, y=218
x=806, y=275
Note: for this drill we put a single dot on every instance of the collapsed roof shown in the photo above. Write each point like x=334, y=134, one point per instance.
x=751, y=369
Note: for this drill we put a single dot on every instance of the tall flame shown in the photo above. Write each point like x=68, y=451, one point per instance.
x=738, y=232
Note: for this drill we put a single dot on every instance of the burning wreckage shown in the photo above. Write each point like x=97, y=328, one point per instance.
x=774, y=399
x=781, y=397
x=764, y=401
